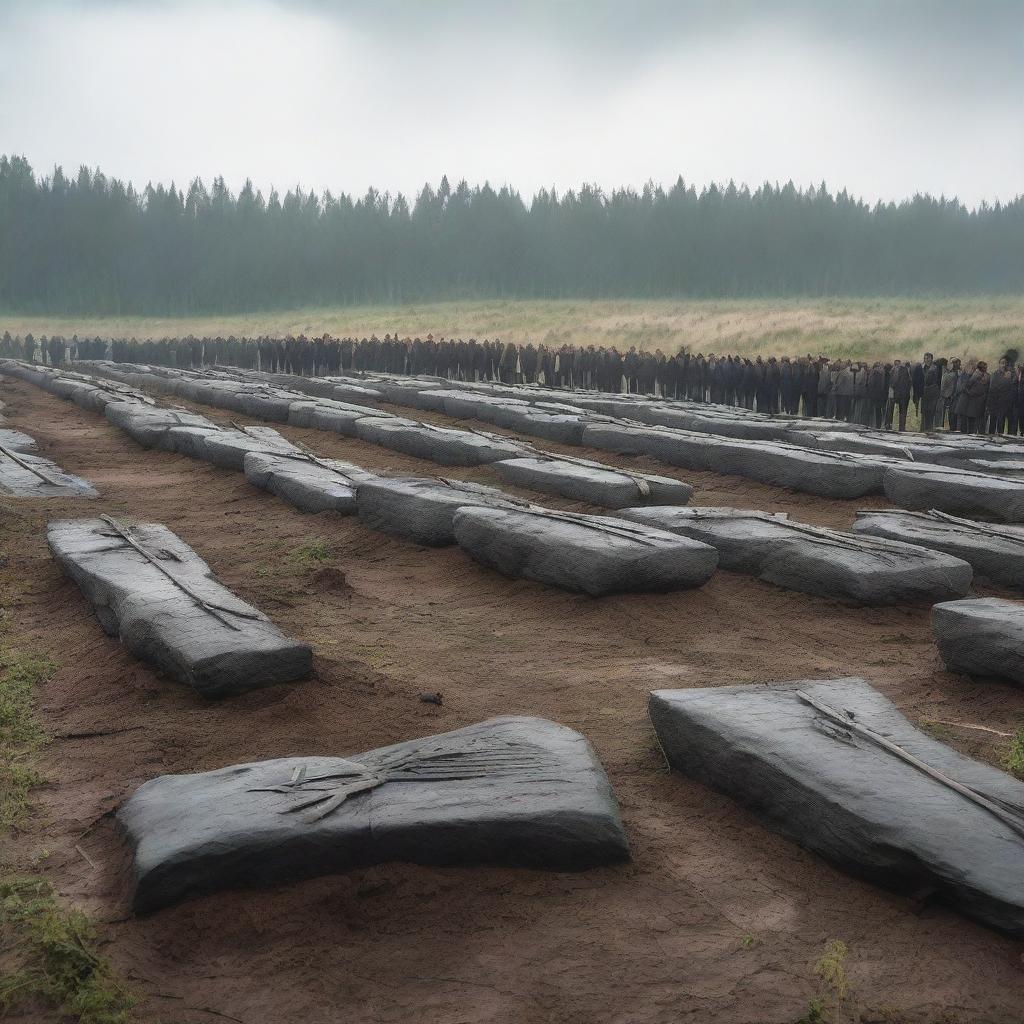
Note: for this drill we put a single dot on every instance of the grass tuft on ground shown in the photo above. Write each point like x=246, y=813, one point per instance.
x=48, y=952
x=21, y=735
x=1014, y=759
x=55, y=957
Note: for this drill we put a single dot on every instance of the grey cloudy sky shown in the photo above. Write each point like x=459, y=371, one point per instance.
x=886, y=98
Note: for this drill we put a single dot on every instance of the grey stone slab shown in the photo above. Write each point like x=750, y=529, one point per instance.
x=147, y=424
x=592, y=554
x=816, y=560
x=228, y=448
x=557, y=427
x=160, y=623
x=327, y=485
x=958, y=491
x=598, y=485
x=16, y=441
x=847, y=798
x=685, y=449
x=995, y=551
x=440, y=445
x=41, y=479
x=515, y=791
x=983, y=636
x=420, y=509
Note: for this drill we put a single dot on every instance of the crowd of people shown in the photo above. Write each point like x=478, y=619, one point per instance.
x=946, y=393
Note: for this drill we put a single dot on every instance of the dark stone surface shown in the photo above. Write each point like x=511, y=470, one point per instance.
x=228, y=448
x=420, y=509
x=19, y=482
x=815, y=560
x=594, y=554
x=959, y=491
x=996, y=551
x=533, y=794
x=160, y=623
x=440, y=445
x=848, y=799
x=983, y=636
x=594, y=484
x=308, y=486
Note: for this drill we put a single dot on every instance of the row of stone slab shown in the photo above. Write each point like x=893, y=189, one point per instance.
x=563, y=549
x=956, y=475
x=588, y=553
x=592, y=554
x=515, y=461
x=831, y=764
x=743, y=424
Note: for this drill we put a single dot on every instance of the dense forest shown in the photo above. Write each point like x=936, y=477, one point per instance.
x=93, y=244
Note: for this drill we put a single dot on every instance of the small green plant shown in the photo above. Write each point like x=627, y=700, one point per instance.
x=1014, y=757
x=21, y=735
x=832, y=971
x=316, y=552
x=937, y=730
x=56, y=958
x=815, y=1013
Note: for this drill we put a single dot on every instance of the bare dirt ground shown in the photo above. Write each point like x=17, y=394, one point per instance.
x=715, y=919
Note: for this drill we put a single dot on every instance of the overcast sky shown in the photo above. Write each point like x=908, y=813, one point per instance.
x=885, y=98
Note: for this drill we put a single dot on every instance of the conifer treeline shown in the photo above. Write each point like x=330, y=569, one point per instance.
x=93, y=244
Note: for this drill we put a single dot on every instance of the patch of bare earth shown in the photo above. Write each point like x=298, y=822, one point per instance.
x=715, y=919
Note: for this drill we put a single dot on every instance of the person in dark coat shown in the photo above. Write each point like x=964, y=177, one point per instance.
x=999, y=398
x=917, y=381
x=972, y=401
x=945, y=418
x=900, y=388
x=877, y=394
x=930, y=395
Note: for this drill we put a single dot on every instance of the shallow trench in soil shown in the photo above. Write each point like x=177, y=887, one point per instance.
x=715, y=918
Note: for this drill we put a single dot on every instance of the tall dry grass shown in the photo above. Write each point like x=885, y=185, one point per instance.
x=983, y=327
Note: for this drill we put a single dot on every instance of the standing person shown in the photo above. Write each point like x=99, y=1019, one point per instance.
x=973, y=399
x=844, y=391
x=826, y=405
x=931, y=385
x=861, y=411
x=749, y=384
x=945, y=416
x=507, y=365
x=900, y=387
x=876, y=395
x=999, y=398
x=809, y=386
x=917, y=381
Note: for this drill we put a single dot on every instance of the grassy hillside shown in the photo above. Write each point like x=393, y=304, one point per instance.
x=864, y=328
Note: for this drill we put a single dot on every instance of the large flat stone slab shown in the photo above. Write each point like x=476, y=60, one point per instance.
x=959, y=491
x=996, y=551
x=594, y=554
x=846, y=797
x=310, y=484
x=593, y=483
x=523, y=792
x=813, y=559
x=983, y=636
x=420, y=509
x=208, y=638
x=441, y=445
x=23, y=475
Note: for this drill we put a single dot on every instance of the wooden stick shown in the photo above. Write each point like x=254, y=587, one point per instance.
x=24, y=465
x=211, y=609
x=1011, y=821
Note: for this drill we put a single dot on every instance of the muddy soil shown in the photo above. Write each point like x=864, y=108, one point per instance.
x=715, y=919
